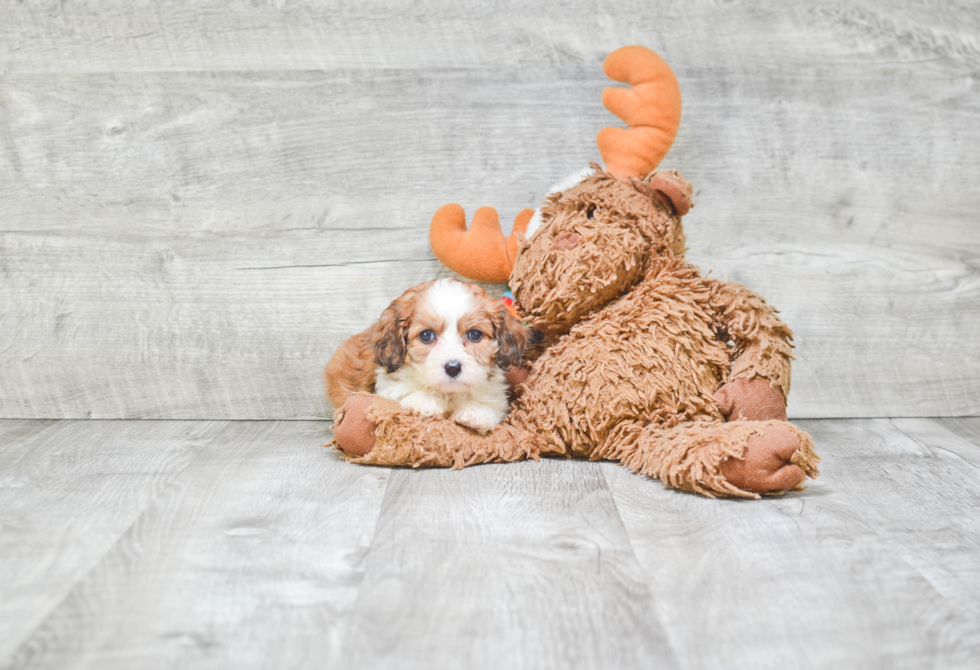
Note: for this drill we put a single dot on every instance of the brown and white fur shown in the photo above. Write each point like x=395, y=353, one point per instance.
x=441, y=348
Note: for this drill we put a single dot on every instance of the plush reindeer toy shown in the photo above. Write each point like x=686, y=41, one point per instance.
x=645, y=361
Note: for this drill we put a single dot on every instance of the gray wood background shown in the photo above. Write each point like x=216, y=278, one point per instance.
x=199, y=200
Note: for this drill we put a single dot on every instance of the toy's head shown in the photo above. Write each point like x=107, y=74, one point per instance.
x=593, y=242
x=594, y=237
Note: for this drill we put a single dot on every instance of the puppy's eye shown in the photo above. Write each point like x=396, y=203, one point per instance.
x=427, y=336
x=590, y=212
x=474, y=335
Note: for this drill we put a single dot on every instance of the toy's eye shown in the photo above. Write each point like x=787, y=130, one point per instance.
x=474, y=335
x=427, y=336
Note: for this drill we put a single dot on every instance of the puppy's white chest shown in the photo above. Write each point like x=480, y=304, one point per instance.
x=481, y=407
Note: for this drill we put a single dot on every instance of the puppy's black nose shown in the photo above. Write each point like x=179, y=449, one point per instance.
x=453, y=368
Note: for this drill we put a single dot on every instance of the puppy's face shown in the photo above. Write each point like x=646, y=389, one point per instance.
x=452, y=333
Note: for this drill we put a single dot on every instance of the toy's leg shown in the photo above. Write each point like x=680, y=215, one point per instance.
x=378, y=431
x=739, y=458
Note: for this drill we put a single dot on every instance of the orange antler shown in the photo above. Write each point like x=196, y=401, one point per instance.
x=651, y=109
x=481, y=253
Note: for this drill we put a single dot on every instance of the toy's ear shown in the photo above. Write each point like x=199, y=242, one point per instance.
x=481, y=253
x=677, y=190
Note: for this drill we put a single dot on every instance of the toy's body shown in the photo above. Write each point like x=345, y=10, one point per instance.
x=644, y=359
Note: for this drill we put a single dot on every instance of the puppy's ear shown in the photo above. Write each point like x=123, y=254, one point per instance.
x=513, y=338
x=391, y=337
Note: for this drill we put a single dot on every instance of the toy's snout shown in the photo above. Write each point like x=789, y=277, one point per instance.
x=565, y=242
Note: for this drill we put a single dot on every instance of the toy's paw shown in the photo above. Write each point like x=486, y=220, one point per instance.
x=751, y=400
x=516, y=376
x=768, y=463
x=425, y=404
x=353, y=431
x=478, y=417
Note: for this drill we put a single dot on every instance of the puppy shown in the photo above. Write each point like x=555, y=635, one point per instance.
x=441, y=348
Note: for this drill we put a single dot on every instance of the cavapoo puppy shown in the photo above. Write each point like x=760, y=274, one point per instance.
x=441, y=348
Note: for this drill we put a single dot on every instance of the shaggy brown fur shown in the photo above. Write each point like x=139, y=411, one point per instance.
x=638, y=344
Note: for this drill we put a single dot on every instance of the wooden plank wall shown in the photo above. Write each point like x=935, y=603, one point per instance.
x=199, y=200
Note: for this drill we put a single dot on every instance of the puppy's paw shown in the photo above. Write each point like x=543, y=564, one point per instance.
x=424, y=403
x=480, y=418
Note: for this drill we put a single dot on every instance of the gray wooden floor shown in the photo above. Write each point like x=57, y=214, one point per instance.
x=141, y=544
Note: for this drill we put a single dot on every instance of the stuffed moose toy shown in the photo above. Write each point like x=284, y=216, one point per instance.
x=642, y=360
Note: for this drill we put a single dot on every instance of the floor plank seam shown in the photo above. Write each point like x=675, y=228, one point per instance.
x=345, y=634
x=668, y=632
x=892, y=422
x=95, y=563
